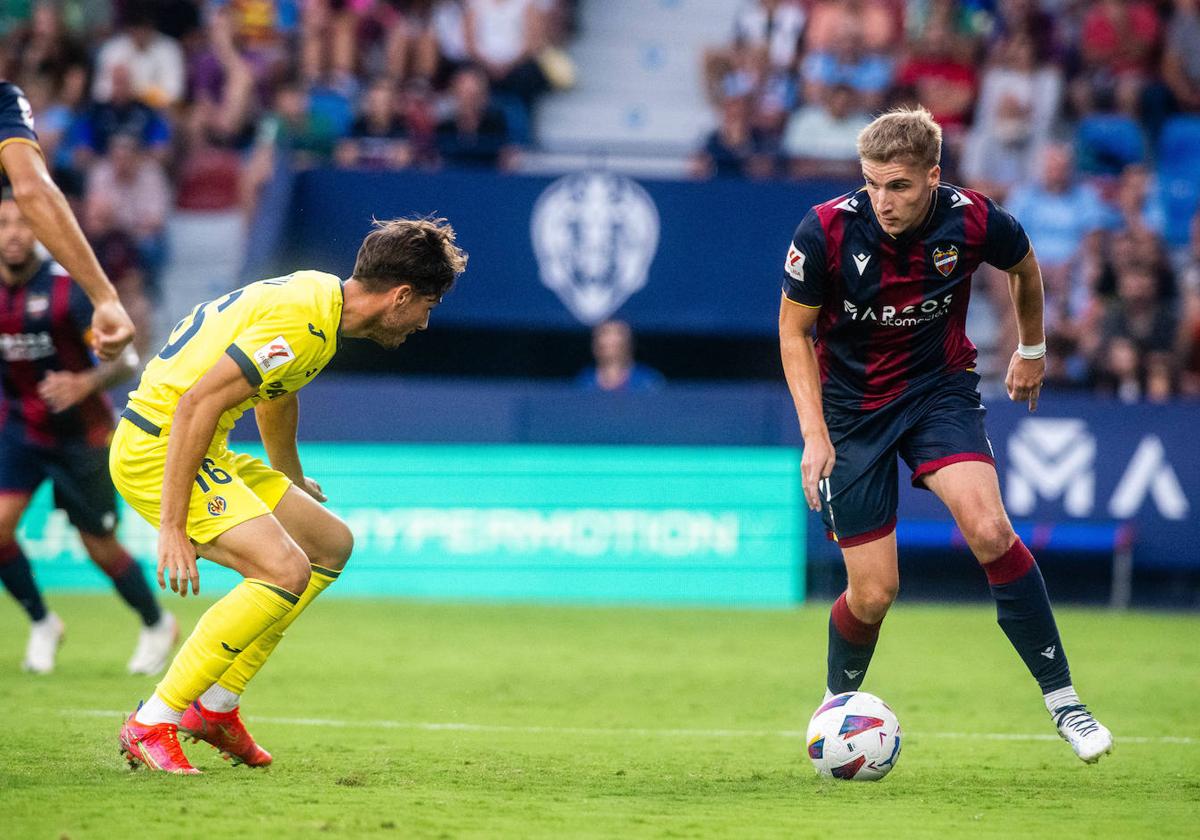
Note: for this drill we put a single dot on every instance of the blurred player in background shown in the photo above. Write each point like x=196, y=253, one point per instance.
x=884, y=275
x=254, y=347
x=53, y=223
x=55, y=425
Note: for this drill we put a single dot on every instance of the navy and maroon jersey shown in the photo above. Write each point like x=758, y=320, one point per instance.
x=43, y=326
x=16, y=117
x=894, y=309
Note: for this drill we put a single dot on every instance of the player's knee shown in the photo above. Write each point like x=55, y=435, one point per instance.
x=989, y=537
x=337, y=546
x=291, y=569
x=870, y=602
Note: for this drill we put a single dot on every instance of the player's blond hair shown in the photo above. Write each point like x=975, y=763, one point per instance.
x=905, y=135
x=420, y=252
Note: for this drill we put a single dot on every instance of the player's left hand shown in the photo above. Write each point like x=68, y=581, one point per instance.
x=312, y=488
x=62, y=389
x=1024, y=380
x=111, y=329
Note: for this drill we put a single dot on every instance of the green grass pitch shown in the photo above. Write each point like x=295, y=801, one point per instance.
x=402, y=719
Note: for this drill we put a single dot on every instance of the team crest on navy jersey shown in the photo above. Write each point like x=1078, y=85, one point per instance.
x=37, y=305
x=944, y=259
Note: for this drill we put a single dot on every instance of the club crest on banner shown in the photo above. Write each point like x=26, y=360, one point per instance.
x=944, y=259
x=594, y=235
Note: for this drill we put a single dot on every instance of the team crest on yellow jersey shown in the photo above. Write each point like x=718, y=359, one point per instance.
x=216, y=505
x=944, y=259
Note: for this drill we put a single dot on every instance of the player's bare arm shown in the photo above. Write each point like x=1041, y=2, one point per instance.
x=62, y=389
x=54, y=225
x=804, y=382
x=277, y=421
x=193, y=428
x=1027, y=368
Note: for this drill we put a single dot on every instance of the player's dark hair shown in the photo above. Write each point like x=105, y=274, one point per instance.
x=419, y=252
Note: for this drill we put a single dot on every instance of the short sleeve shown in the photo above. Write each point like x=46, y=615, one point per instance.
x=804, y=267
x=270, y=344
x=1005, y=243
x=16, y=116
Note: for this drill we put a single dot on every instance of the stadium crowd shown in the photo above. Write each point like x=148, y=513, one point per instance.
x=1083, y=117
x=142, y=106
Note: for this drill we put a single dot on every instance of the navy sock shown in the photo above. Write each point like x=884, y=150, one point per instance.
x=17, y=576
x=1023, y=611
x=131, y=585
x=851, y=646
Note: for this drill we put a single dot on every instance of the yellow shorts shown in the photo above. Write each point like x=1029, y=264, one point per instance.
x=229, y=489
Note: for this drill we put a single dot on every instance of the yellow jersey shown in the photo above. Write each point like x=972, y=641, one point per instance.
x=281, y=332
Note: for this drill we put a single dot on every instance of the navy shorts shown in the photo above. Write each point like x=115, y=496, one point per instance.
x=938, y=426
x=82, y=486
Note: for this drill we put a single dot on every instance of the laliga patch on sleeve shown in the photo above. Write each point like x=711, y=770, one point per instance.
x=274, y=354
x=794, y=264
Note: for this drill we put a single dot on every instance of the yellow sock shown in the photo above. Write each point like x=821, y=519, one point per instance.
x=251, y=660
x=230, y=626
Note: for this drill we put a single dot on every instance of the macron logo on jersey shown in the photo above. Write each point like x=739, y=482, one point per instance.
x=274, y=354
x=794, y=264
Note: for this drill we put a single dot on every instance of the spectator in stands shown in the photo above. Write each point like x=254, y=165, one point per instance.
x=1188, y=342
x=121, y=113
x=504, y=37
x=154, y=61
x=766, y=38
x=615, y=368
x=1136, y=201
x=134, y=184
x=1120, y=37
x=292, y=126
x=877, y=22
x=222, y=83
x=45, y=48
x=1138, y=336
x=118, y=256
x=476, y=132
x=847, y=63
x=821, y=140
x=944, y=81
x=1179, y=88
x=443, y=47
x=1060, y=213
x=1018, y=103
x=736, y=147
x=1064, y=218
x=379, y=138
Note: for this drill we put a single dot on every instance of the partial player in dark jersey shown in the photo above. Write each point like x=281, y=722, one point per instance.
x=55, y=424
x=54, y=224
x=883, y=276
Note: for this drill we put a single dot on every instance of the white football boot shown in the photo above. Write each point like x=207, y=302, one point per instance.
x=154, y=646
x=45, y=636
x=1087, y=736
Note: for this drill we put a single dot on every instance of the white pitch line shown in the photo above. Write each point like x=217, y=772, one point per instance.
x=333, y=723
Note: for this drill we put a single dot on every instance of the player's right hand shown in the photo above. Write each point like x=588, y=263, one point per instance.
x=816, y=464
x=177, y=557
x=111, y=330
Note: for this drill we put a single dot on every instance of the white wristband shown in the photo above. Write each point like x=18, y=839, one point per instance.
x=1031, y=351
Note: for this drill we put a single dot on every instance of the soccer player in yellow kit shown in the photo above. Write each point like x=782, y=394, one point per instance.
x=254, y=347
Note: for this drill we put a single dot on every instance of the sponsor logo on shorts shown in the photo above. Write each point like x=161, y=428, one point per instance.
x=216, y=505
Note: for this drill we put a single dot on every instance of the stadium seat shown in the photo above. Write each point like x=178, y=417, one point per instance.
x=1107, y=143
x=1179, y=175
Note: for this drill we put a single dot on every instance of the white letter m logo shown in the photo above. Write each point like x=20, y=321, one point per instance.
x=1051, y=459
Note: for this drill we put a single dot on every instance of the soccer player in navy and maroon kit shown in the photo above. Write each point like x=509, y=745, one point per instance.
x=53, y=222
x=55, y=424
x=884, y=276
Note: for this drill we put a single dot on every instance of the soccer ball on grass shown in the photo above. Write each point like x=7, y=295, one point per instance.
x=854, y=736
